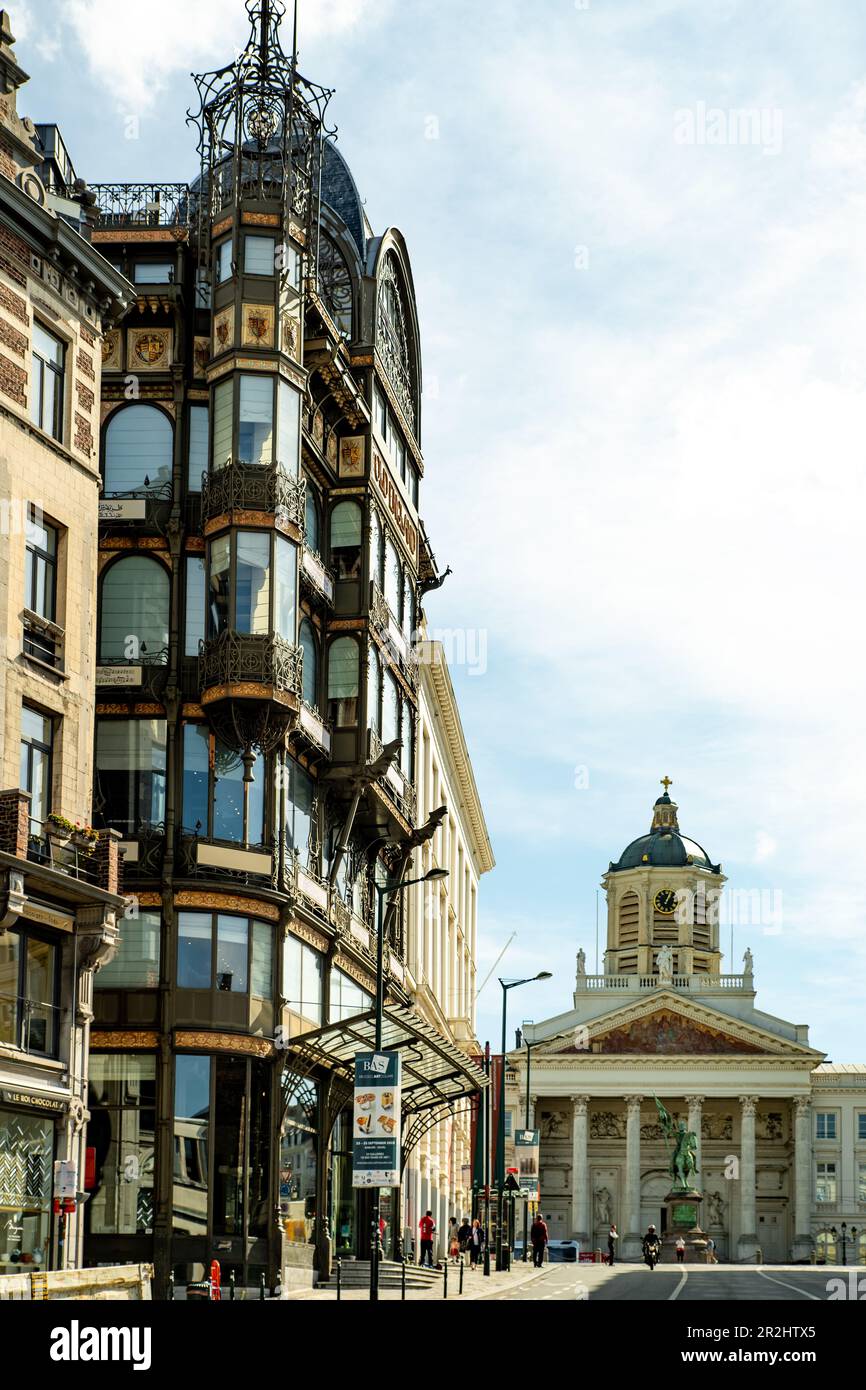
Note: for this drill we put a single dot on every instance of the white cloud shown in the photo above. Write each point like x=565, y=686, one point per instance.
x=765, y=847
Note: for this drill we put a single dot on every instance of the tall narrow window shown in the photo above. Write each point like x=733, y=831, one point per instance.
x=286, y=570
x=223, y=261
x=390, y=709
x=196, y=779
x=408, y=604
x=46, y=382
x=289, y=427
x=374, y=692
x=343, y=683
x=135, y=612
x=40, y=586
x=311, y=537
x=139, y=445
x=253, y=583
x=130, y=773
x=223, y=401
x=227, y=798
x=194, y=951
x=346, y=540
x=194, y=629
x=191, y=1145
x=232, y=949
x=199, y=445
x=393, y=578
x=37, y=747
x=298, y=809
x=256, y=422
x=218, y=586
x=136, y=965
x=376, y=548
x=310, y=649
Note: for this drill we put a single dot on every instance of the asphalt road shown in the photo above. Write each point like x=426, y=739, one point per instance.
x=696, y=1284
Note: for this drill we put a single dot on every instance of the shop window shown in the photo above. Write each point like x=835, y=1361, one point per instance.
x=29, y=993
x=343, y=683
x=303, y=981
x=259, y=255
x=134, y=612
x=136, y=963
x=196, y=591
x=298, y=1161
x=346, y=540
x=310, y=648
x=40, y=586
x=37, y=757
x=120, y=1136
x=199, y=445
x=139, y=447
x=47, y=367
x=192, y=1078
x=26, y=1167
x=130, y=773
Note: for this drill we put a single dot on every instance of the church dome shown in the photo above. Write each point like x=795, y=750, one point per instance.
x=664, y=846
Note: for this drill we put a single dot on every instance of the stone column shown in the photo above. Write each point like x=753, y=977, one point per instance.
x=580, y=1217
x=748, y=1237
x=695, y=1104
x=803, y=1242
x=632, y=1236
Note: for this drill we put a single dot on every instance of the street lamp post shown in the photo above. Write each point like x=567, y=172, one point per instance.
x=523, y=1041
x=845, y=1237
x=383, y=891
x=503, y=1254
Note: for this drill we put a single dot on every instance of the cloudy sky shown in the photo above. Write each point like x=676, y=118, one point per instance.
x=637, y=230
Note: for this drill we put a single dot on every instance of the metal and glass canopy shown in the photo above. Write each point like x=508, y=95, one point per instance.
x=435, y=1071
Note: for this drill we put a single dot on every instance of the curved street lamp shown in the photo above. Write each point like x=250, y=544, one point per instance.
x=503, y=1258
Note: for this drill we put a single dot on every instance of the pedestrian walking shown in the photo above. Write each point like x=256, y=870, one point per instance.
x=539, y=1236
x=464, y=1234
x=612, y=1238
x=477, y=1242
x=681, y=1250
x=453, y=1242
x=711, y=1251
x=426, y=1232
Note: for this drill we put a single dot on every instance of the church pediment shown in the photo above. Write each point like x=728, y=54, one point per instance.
x=669, y=1026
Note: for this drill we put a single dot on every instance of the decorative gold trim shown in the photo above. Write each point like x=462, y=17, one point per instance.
x=228, y=902
x=219, y=227
x=259, y=219
x=149, y=899
x=308, y=934
x=149, y=711
x=360, y=976
x=192, y=712
x=223, y=1042
x=123, y=1042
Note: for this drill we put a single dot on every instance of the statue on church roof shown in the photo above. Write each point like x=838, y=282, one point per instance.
x=581, y=961
x=748, y=963
x=665, y=962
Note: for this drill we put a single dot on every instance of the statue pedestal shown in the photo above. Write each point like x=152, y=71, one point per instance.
x=684, y=1219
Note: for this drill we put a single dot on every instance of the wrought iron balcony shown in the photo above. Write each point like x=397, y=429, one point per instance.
x=251, y=866
x=144, y=205
x=317, y=577
x=235, y=659
x=395, y=782
x=314, y=729
x=147, y=672
x=247, y=487
x=397, y=644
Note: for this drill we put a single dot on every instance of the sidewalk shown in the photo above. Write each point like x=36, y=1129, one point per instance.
x=475, y=1288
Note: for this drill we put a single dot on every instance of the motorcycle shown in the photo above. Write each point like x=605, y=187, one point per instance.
x=652, y=1253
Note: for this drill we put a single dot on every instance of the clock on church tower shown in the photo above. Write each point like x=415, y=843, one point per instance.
x=662, y=902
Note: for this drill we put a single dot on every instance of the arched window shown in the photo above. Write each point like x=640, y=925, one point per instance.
x=312, y=523
x=310, y=649
x=139, y=445
x=393, y=578
x=374, y=691
x=826, y=1247
x=135, y=612
x=409, y=604
x=407, y=748
x=335, y=284
x=375, y=548
x=392, y=336
x=346, y=540
x=343, y=662
x=390, y=710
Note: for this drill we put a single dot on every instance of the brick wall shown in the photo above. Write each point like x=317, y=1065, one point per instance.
x=84, y=363
x=88, y=337
x=109, y=862
x=13, y=302
x=14, y=822
x=83, y=434
x=85, y=396
x=13, y=339
x=13, y=381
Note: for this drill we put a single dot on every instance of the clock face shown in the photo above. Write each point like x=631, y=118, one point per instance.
x=665, y=901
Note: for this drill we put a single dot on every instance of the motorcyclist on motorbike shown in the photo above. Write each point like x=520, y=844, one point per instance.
x=651, y=1247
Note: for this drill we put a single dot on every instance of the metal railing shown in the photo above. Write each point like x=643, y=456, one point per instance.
x=56, y=849
x=30, y=1024
x=43, y=640
x=237, y=658
x=145, y=205
x=254, y=487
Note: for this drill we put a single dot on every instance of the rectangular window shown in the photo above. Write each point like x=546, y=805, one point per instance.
x=218, y=593
x=231, y=955
x=136, y=965
x=194, y=933
x=861, y=1182
x=825, y=1183
x=191, y=1144
x=347, y=997
x=29, y=993
x=195, y=604
x=222, y=424
x=825, y=1122
x=199, y=445
x=286, y=577
x=399, y=455
x=253, y=583
x=154, y=273
x=861, y=1125
x=40, y=586
x=413, y=485
x=300, y=792
x=227, y=798
x=260, y=255
x=26, y=1156
x=380, y=413
x=37, y=748
x=122, y=1103
x=303, y=980
x=223, y=261
x=256, y=420
x=130, y=773
x=262, y=971
x=48, y=363
x=288, y=446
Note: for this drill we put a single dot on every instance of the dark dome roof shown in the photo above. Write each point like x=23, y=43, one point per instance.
x=664, y=849
x=340, y=192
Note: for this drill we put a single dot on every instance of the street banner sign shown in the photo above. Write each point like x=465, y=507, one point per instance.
x=526, y=1154
x=376, y=1136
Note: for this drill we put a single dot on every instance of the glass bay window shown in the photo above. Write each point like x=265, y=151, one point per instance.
x=268, y=422
x=252, y=584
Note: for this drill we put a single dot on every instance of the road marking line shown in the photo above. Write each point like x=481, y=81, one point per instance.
x=679, y=1288
x=786, y=1285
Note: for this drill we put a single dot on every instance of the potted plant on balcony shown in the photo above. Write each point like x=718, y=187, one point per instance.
x=60, y=830
x=85, y=839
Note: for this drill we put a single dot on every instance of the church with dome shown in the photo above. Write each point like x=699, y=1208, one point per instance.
x=781, y=1133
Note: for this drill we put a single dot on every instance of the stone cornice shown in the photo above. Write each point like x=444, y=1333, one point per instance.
x=436, y=682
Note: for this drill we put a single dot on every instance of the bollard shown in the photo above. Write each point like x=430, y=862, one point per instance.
x=403, y=1281
x=231, y=1285
x=171, y=1287
x=261, y=1288
x=445, y=1279
x=462, y=1267
x=339, y=1280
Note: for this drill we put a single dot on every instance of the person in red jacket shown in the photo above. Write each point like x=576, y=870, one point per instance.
x=427, y=1228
